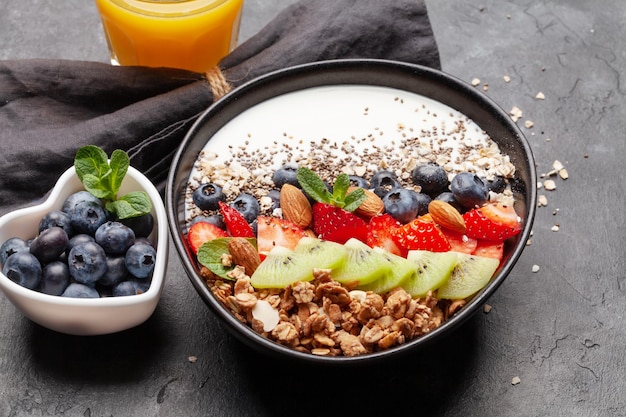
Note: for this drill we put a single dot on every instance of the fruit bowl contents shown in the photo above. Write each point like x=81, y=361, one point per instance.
x=350, y=220
x=77, y=265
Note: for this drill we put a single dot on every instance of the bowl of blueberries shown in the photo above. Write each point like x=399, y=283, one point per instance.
x=91, y=258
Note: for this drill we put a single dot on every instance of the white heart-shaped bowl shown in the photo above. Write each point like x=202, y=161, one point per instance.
x=86, y=316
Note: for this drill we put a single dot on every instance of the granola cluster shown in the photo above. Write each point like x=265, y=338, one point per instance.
x=322, y=317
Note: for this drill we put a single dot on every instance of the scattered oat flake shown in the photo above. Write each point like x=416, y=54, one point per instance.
x=540, y=96
x=516, y=113
x=507, y=79
x=557, y=165
x=515, y=380
x=542, y=201
x=535, y=268
x=475, y=81
x=529, y=124
x=549, y=185
x=486, y=308
x=192, y=359
x=563, y=174
x=555, y=228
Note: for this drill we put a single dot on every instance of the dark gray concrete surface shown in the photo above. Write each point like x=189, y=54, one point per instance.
x=560, y=330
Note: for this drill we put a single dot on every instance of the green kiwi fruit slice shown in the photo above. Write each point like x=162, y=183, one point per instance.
x=433, y=270
x=321, y=253
x=282, y=267
x=469, y=276
x=401, y=270
x=362, y=265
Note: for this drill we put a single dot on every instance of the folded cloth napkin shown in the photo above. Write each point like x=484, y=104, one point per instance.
x=50, y=108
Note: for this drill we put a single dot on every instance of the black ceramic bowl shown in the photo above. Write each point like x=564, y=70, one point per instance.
x=423, y=81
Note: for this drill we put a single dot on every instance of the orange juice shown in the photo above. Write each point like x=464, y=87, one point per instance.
x=187, y=34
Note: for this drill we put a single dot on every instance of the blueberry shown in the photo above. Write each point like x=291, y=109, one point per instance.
x=448, y=197
x=11, y=246
x=215, y=219
x=141, y=225
x=469, y=190
x=274, y=196
x=116, y=271
x=126, y=288
x=115, y=238
x=77, y=239
x=383, y=182
x=432, y=178
x=423, y=200
x=357, y=181
x=402, y=204
x=497, y=184
x=23, y=269
x=87, y=216
x=140, y=260
x=76, y=290
x=56, y=218
x=79, y=197
x=208, y=196
x=87, y=263
x=144, y=241
x=55, y=278
x=247, y=205
x=286, y=175
x=49, y=245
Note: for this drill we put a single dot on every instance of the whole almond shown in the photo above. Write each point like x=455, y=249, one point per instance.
x=446, y=216
x=372, y=205
x=295, y=206
x=244, y=254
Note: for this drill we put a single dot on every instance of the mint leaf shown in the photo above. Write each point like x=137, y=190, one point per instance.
x=91, y=160
x=313, y=185
x=353, y=200
x=119, y=166
x=133, y=204
x=95, y=186
x=210, y=256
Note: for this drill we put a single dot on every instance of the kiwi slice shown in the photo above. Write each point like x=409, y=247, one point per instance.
x=469, y=276
x=362, y=265
x=321, y=253
x=401, y=270
x=282, y=267
x=433, y=270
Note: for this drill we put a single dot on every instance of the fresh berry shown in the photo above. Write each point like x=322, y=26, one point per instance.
x=216, y=219
x=497, y=184
x=274, y=196
x=448, y=197
x=421, y=235
x=247, y=205
x=78, y=239
x=140, y=260
x=78, y=197
x=402, y=204
x=379, y=234
x=116, y=271
x=126, y=288
x=55, y=278
x=115, y=238
x=495, y=222
x=431, y=177
x=286, y=175
x=272, y=232
x=357, y=181
x=23, y=269
x=423, y=200
x=87, y=216
x=141, y=225
x=56, y=218
x=336, y=224
x=469, y=190
x=87, y=263
x=76, y=290
x=489, y=249
x=201, y=232
x=383, y=182
x=236, y=224
x=11, y=246
x=49, y=245
x=207, y=196
x=459, y=242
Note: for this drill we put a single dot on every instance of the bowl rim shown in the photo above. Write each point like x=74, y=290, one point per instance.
x=104, y=302
x=286, y=80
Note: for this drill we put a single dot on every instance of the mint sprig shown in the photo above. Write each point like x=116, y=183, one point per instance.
x=340, y=197
x=103, y=178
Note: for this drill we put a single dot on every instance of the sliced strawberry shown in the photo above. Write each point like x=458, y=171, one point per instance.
x=379, y=234
x=201, y=232
x=460, y=242
x=495, y=222
x=236, y=225
x=336, y=224
x=422, y=235
x=272, y=232
x=489, y=249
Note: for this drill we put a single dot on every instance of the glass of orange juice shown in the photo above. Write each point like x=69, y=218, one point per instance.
x=186, y=34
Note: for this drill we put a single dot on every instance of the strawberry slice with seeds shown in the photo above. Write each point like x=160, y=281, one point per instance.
x=379, y=234
x=460, y=242
x=337, y=225
x=272, y=232
x=421, y=235
x=495, y=222
x=201, y=232
x=489, y=249
x=236, y=224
